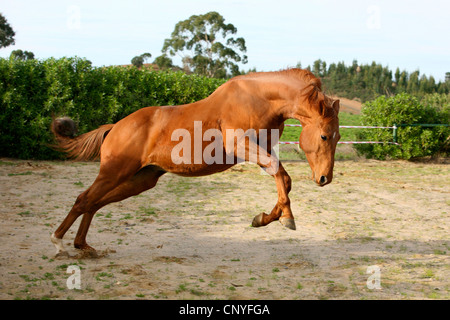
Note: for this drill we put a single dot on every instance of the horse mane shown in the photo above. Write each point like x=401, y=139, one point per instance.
x=313, y=84
x=312, y=90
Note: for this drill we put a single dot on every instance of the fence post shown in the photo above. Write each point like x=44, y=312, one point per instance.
x=394, y=133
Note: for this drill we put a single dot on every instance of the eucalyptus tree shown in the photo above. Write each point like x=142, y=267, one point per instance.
x=207, y=45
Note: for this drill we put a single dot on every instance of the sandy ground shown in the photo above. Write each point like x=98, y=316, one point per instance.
x=190, y=238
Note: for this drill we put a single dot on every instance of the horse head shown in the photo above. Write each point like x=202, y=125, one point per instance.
x=319, y=137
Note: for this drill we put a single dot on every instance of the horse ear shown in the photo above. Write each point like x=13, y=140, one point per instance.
x=322, y=108
x=336, y=106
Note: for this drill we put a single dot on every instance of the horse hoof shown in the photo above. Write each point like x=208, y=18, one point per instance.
x=288, y=223
x=257, y=221
x=62, y=254
x=87, y=252
x=60, y=251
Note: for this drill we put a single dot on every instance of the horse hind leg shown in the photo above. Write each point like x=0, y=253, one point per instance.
x=107, y=179
x=77, y=210
x=83, y=205
x=144, y=179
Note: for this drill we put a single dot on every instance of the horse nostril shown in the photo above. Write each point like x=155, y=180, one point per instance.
x=323, y=180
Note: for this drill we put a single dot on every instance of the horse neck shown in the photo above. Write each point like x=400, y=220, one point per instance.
x=286, y=92
x=292, y=104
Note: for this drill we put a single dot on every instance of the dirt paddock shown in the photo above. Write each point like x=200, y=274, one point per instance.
x=190, y=238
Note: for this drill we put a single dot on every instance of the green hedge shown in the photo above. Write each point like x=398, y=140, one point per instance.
x=416, y=141
x=34, y=91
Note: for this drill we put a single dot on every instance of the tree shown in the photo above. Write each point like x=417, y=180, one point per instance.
x=6, y=33
x=163, y=62
x=21, y=55
x=139, y=61
x=206, y=46
x=397, y=75
x=413, y=83
x=402, y=82
x=317, y=68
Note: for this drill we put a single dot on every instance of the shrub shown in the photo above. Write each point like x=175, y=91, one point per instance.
x=441, y=102
x=415, y=141
x=32, y=92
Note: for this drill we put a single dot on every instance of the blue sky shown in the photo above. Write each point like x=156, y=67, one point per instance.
x=412, y=35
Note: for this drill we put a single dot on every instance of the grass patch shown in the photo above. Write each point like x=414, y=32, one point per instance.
x=27, y=173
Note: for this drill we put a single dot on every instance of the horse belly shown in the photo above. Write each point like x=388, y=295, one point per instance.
x=163, y=158
x=199, y=170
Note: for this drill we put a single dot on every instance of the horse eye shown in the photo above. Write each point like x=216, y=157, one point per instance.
x=323, y=137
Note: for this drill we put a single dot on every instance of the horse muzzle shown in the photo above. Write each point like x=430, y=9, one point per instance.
x=321, y=180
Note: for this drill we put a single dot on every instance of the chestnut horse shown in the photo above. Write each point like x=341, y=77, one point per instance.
x=139, y=149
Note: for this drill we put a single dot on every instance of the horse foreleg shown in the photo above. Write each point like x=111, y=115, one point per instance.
x=284, y=187
x=270, y=164
x=282, y=210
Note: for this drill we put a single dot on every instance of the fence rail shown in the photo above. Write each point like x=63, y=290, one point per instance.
x=394, y=132
x=351, y=142
x=345, y=142
x=348, y=127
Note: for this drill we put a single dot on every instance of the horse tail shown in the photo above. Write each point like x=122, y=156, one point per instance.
x=83, y=147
